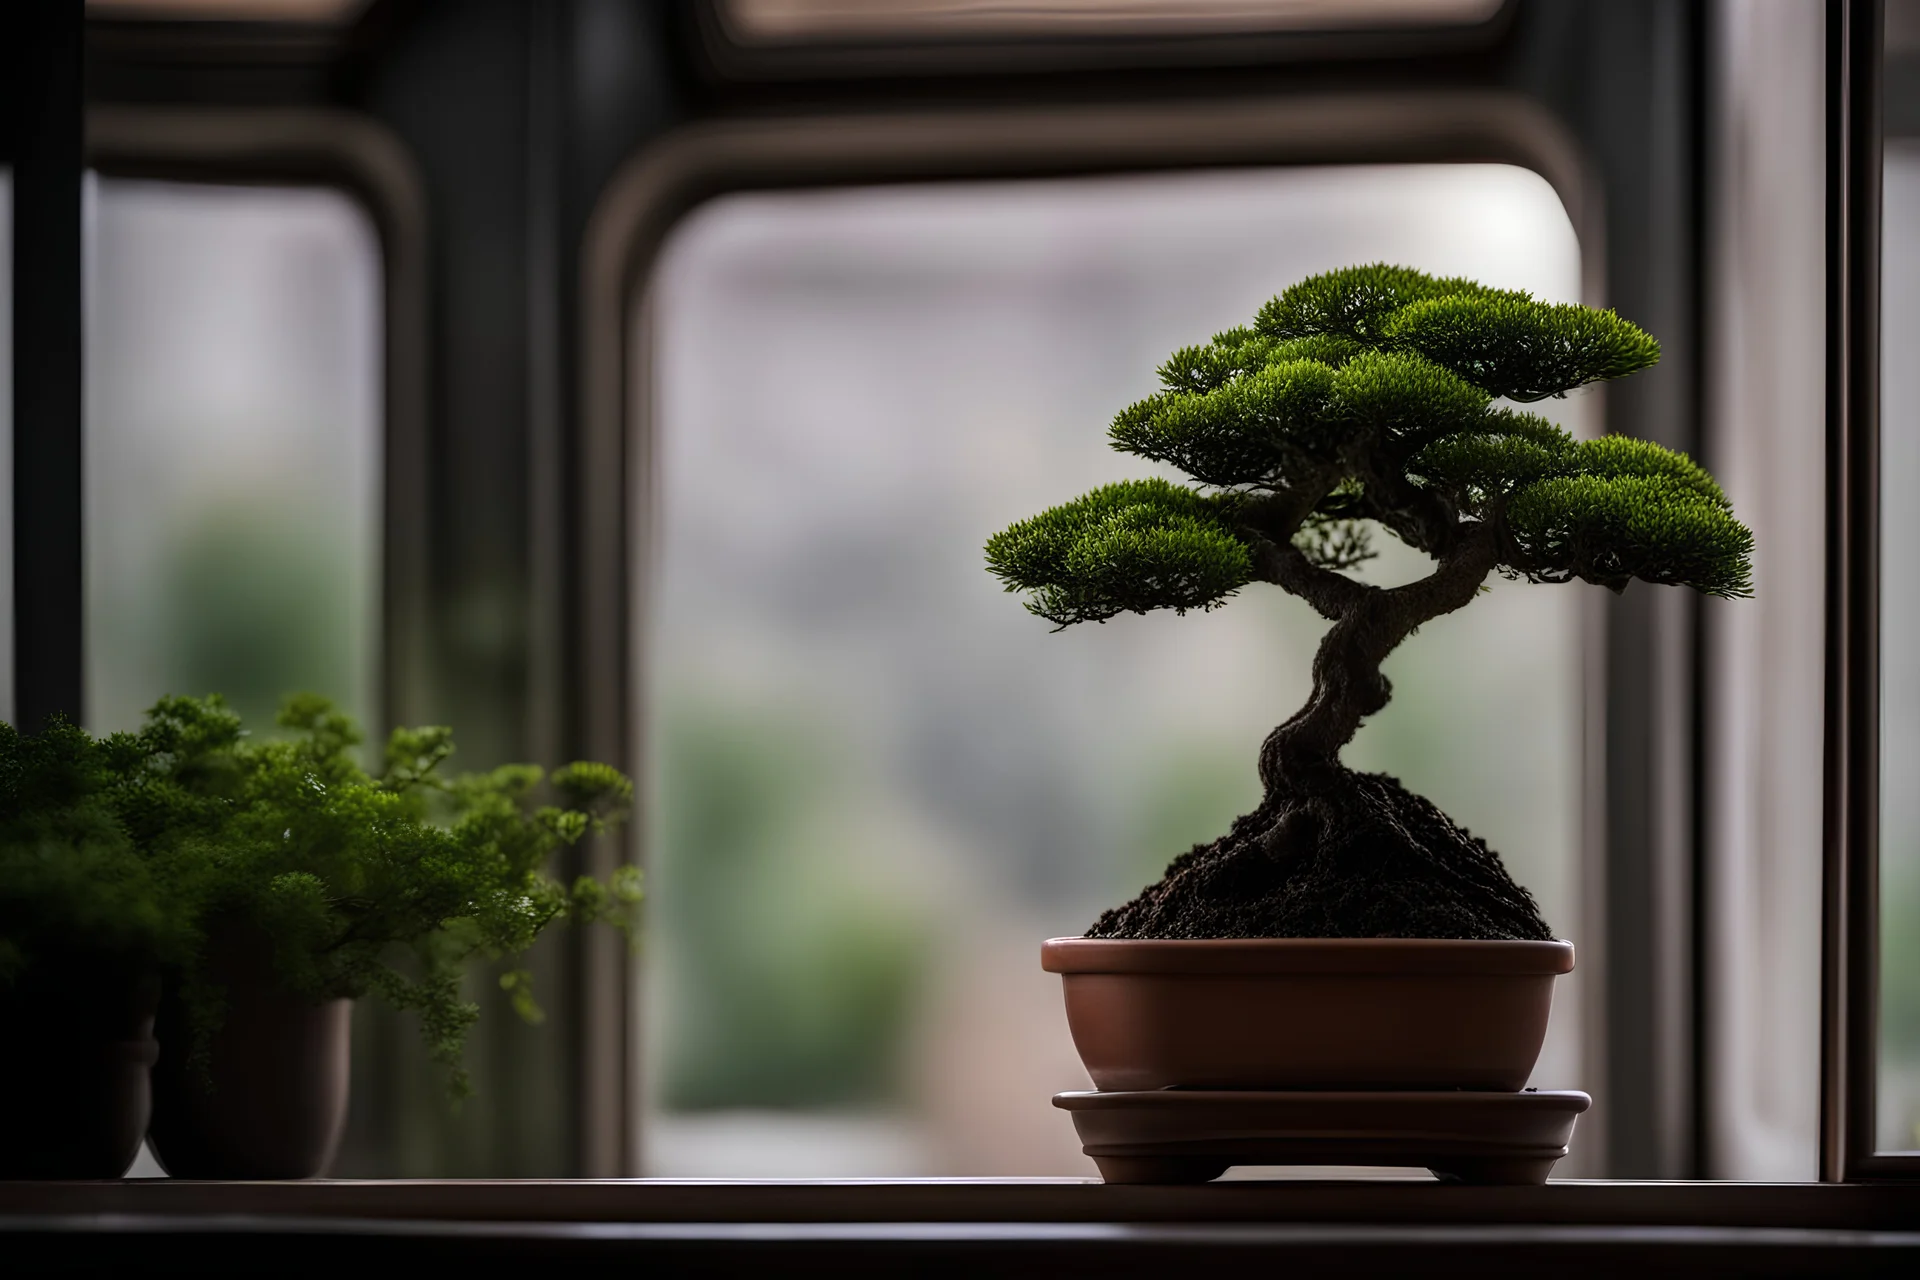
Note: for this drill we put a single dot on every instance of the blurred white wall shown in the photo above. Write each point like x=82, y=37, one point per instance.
x=1766, y=441
x=233, y=444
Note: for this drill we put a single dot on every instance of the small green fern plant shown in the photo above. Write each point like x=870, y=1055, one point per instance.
x=77, y=900
x=389, y=884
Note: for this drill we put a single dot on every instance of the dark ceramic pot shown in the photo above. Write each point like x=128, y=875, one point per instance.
x=74, y=1090
x=272, y=1100
x=1307, y=1013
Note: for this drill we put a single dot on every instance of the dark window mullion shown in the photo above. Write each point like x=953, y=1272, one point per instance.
x=48, y=582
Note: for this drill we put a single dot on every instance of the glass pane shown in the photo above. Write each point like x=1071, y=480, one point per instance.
x=1898, y=1109
x=233, y=427
x=877, y=782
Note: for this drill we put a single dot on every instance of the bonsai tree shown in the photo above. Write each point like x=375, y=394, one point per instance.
x=387, y=883
x=1367, y=399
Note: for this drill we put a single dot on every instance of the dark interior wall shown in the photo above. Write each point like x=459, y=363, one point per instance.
x=452, y=82
x=453, y=86
x=517, y=112
x=40, y=86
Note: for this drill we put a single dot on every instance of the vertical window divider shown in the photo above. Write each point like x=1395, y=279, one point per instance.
x=1850, y=912
x=45, y=95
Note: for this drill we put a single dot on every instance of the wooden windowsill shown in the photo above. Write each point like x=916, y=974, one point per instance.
x=1809, y=1206
x=964, y=1227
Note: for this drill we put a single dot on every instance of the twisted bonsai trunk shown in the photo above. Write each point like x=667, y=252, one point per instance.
x=1330, y=852
x=1368, y=624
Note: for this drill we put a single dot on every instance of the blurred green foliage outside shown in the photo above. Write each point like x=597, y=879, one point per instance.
x=791, y=974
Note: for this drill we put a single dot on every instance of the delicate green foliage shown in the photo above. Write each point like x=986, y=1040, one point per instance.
x=1125, y=548
x=1612, y=456
x=1354, y=302
x=1367, y=397
x=1479, y=468
x=1245, y=431
x=1515, y=347
x=1396, y=399
x=1239, y=352
x=387, y=885
x=71, y=882
x=1611, y=529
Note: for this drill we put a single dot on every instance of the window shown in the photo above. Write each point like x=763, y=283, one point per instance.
x=233, y=444
x=876, y=783
x=232, y=448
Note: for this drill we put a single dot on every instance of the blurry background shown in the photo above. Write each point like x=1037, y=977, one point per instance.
x=567, y=373
x=233, y=443
x=877, y=782
x=233, y=448
x=1898, y=1120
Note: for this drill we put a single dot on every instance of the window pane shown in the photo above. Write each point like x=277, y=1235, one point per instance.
x=232, y=436
x=1898, y=1105
x=877, y=782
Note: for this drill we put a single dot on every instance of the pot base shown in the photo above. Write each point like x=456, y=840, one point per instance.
x=1176, y=1135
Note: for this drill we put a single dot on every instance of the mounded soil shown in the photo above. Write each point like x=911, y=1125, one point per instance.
x=1347, y=855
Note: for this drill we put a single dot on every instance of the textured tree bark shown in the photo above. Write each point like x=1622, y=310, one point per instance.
x=1369, y=624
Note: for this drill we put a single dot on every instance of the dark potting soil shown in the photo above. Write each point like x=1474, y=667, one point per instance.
x=1353, y=855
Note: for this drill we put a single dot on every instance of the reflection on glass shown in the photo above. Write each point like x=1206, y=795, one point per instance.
x=233, y=411
x=1898, y=1105
x=877, y=783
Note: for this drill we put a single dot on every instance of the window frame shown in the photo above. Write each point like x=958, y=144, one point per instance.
x=666, y=182
x=732, y=56
x=352, y=154
x=622, y=242
x=1851, y=857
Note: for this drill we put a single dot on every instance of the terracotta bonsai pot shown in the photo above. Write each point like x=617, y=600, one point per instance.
x=273, y=1100
x=1307, y=1013
x=74, y=1091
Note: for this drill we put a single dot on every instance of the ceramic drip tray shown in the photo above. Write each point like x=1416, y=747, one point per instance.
x=1179, y=1135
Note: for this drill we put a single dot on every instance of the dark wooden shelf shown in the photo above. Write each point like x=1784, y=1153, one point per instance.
x=1825, y=1206
x=1002, y=1227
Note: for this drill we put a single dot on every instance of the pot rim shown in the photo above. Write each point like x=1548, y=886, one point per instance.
x=1234, y=956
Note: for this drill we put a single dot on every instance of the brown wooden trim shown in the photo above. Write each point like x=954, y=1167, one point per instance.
x=737, y=56
x=1850, y=915
x=1857, y=1207
x=354, y=153
x=1833, y=1057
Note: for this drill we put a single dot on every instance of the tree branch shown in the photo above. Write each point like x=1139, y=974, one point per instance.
x=1368, y=624
x=1454, y=583
x=1332, y=595
x=1275, y=520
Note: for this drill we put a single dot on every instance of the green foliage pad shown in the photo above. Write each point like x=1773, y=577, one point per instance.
x=1371, y=397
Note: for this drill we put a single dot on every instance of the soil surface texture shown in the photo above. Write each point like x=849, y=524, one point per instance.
x=1347, y=855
